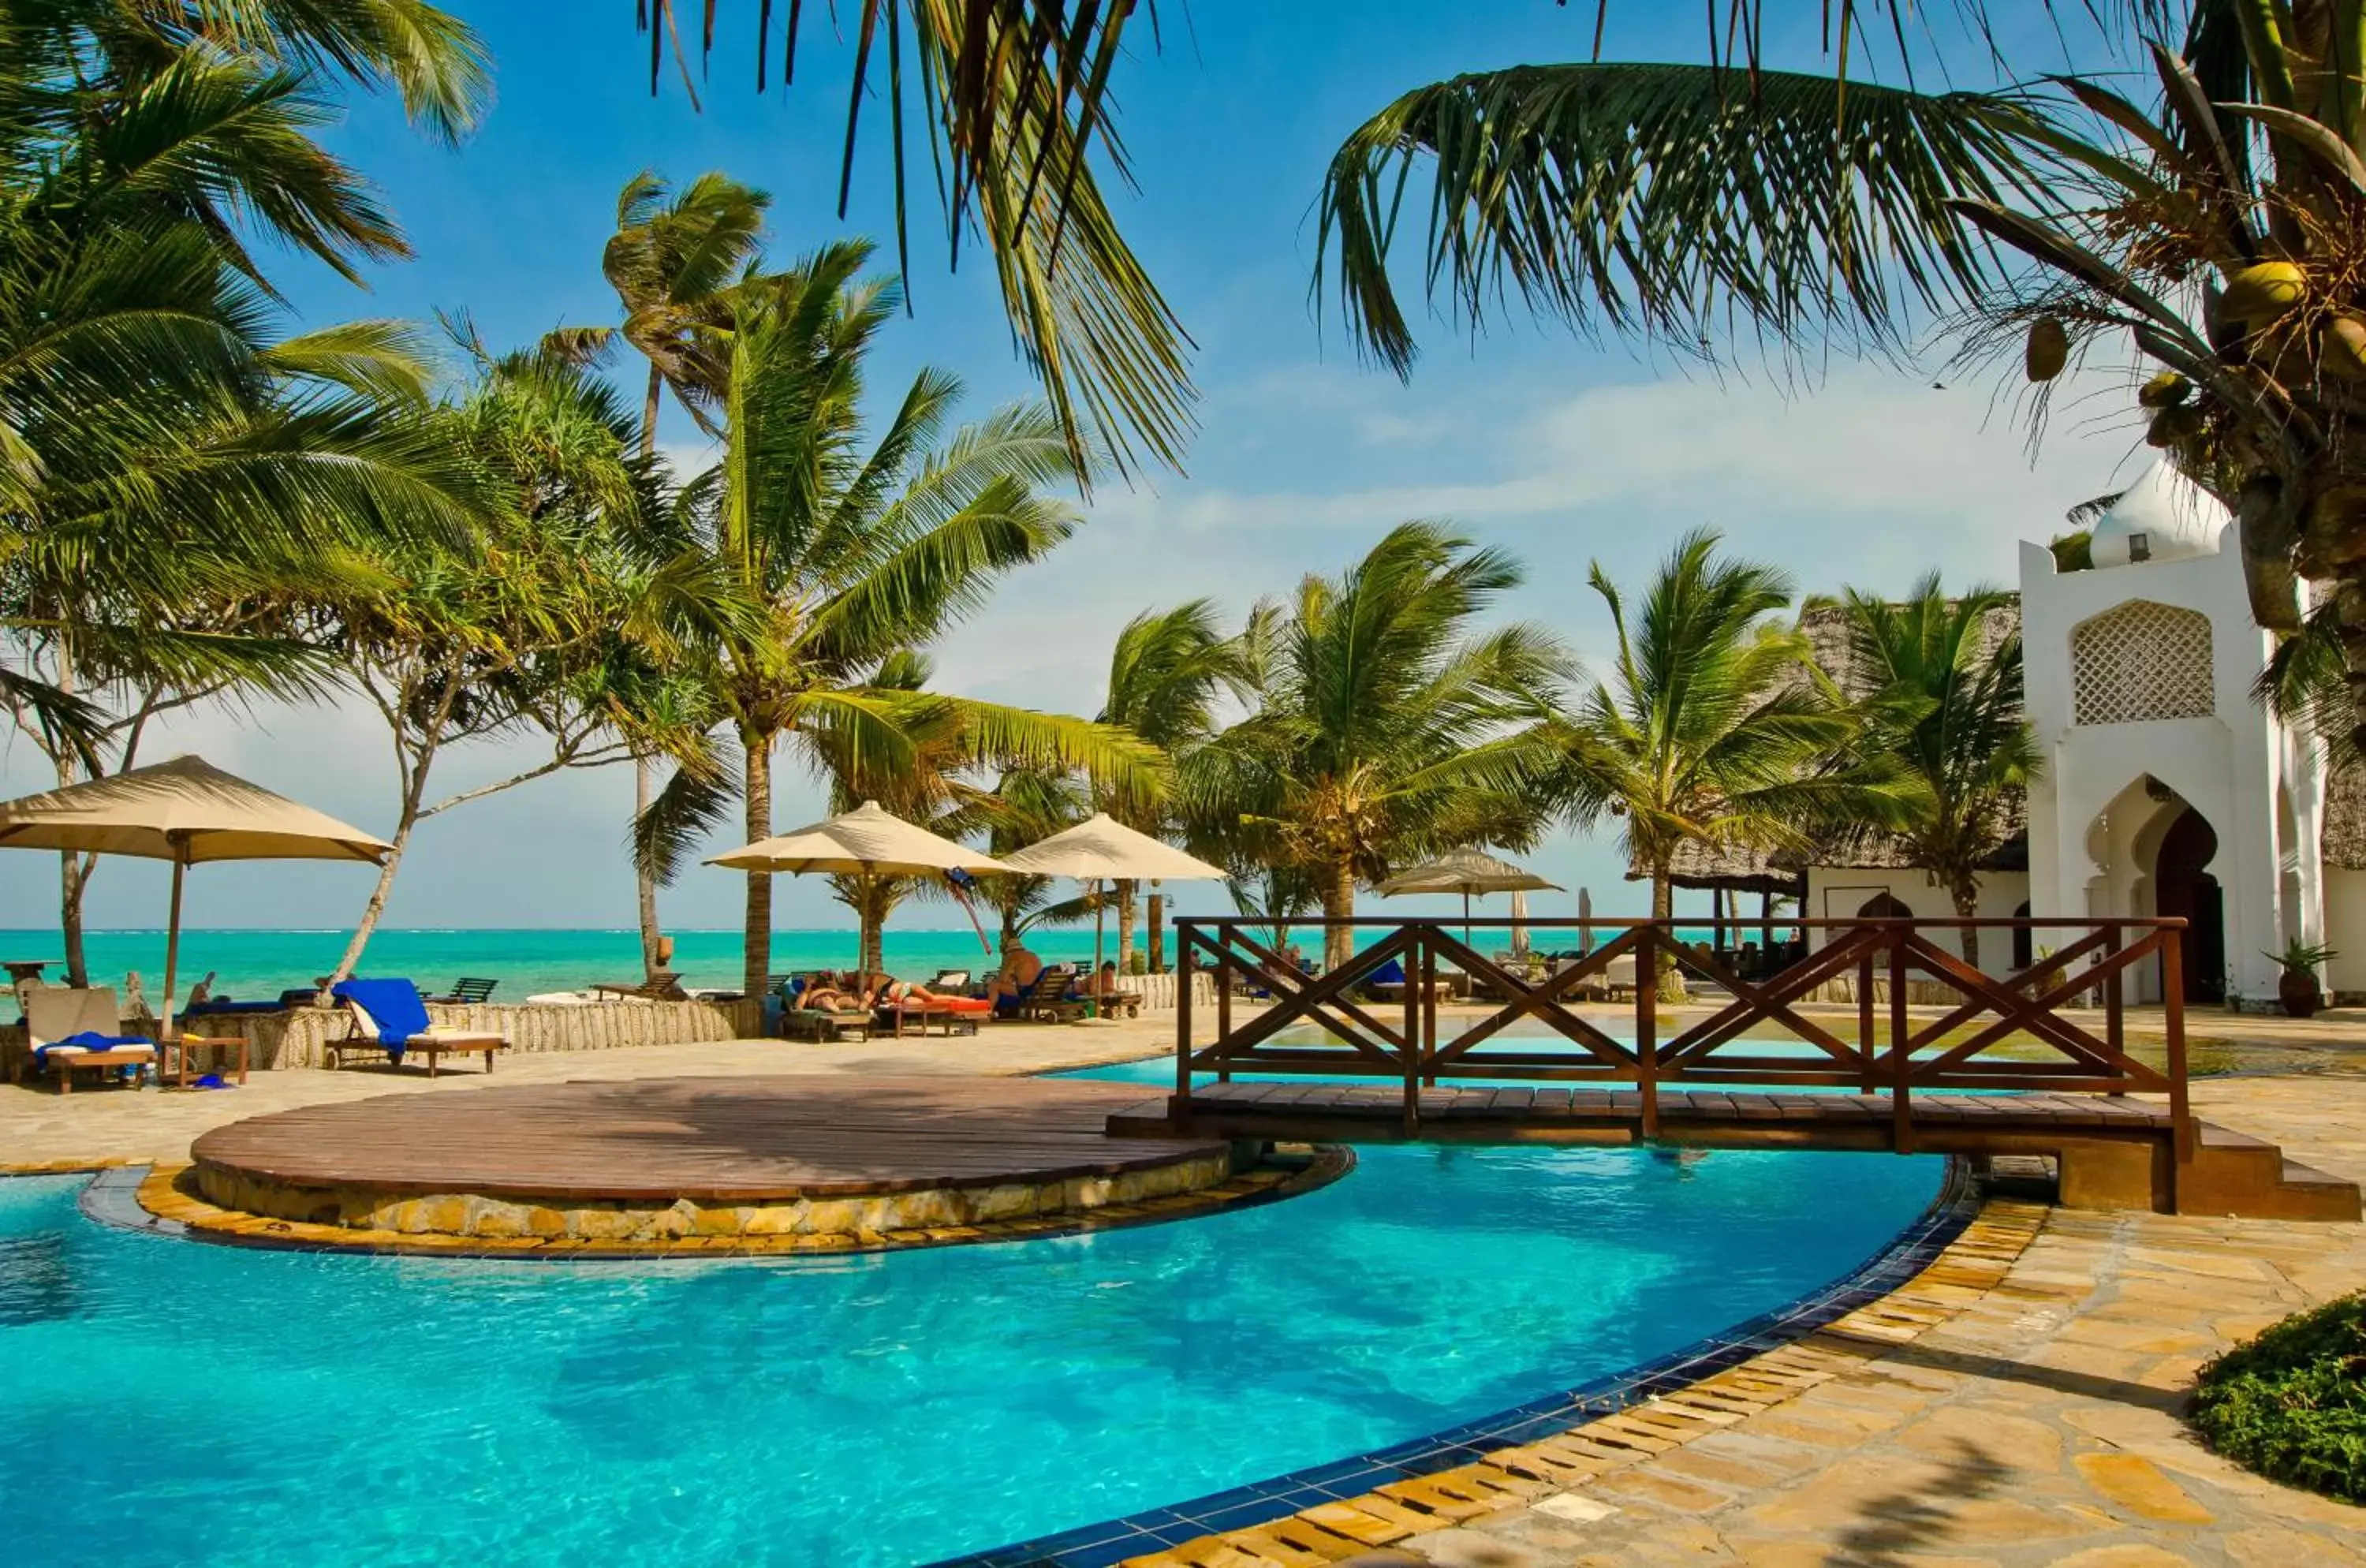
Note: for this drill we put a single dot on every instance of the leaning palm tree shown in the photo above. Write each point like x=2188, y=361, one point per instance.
x=1168, y=672
x=844, y=550
x=2211, y=223
x=1941, y=679
x=1388, y=728
x=674, y=257
x=1715, y=727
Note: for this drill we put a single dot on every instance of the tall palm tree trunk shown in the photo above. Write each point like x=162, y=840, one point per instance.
x=1158, y=938
x=1124, y=887
x=1967, y=906
x=1339, y=903
x=756, y=954
x=1667, y=979
x=644, y=886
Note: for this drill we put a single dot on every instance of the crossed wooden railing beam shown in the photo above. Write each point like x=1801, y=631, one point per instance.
x=1330, y=1024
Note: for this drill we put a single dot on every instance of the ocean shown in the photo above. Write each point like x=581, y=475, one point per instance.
x=258, y=964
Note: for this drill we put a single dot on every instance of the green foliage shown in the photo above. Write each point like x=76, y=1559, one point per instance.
x=1387, y=728
x=1943, y=711
x=2073, y=551
x=2302, y=958
x=2292, y=1404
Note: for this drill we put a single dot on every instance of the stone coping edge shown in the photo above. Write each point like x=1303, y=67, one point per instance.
x=155, y=1199
x=1955, y=1253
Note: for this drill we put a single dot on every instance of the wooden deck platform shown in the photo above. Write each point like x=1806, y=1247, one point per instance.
x=710, y=1140
x=2113, y=1151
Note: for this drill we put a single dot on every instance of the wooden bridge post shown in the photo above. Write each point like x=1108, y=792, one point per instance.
x=1423, y=963
x=1224, y=1011
x=1186, y=961
x=2172, y=1010
x=2115, y=1033
x=1902, y=1049
x=1646, y=1027
x=1429, y=1009
x=1864, y=1029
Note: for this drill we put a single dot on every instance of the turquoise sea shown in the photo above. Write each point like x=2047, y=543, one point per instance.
x=259, y=964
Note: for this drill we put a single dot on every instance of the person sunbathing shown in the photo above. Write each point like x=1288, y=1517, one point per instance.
x=1018, y=972
x=827, y=998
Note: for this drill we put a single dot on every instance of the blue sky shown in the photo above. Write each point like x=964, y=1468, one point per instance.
x=1556, y=450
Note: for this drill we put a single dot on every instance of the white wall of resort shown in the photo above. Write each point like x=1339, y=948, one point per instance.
x=1838, y=892
x=2095, y=823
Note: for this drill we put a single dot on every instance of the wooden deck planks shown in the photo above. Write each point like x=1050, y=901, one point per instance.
x=705, y=1138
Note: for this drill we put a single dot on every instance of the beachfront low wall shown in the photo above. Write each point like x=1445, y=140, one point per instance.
x=1158, y=991
x=298, y=1038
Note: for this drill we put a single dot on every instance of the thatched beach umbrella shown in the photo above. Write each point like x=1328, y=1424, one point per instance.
x=1102, y=849
x=186, y=811
x=1466, y=871
x=866, y=842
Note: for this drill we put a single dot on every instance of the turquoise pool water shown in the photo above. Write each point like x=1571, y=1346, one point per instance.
x=240, y=1407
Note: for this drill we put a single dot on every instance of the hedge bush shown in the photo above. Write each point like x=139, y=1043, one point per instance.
x=2292, y=1404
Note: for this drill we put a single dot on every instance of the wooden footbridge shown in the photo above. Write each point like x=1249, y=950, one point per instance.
x=2002, y=1068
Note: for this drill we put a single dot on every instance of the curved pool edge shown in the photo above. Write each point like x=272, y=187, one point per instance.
x=1911, y=1251
x=120, y=1198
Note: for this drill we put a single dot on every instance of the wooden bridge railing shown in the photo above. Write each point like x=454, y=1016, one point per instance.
x=1897, y=1055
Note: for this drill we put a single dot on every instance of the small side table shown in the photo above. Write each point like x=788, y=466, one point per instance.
x=218, y=1042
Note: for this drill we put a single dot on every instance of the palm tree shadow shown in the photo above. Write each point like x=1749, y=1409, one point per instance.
x=1915, y=1518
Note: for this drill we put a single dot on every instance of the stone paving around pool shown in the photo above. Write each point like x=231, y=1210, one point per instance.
x=2032, y=1421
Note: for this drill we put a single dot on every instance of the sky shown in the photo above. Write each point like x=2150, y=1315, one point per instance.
x=1560, y=451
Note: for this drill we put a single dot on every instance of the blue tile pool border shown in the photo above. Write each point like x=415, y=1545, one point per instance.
x=1912, y=1250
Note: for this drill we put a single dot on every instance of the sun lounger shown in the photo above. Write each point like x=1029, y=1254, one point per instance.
x=468, y=991
x=955, y=1015
x=665, y=986
x=389, y=1019
x=821, y=1025
x=71, y=1031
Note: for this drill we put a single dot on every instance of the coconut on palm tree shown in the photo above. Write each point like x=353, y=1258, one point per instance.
x=844, y=547
x=1942, y=702
x=1714, y=727
x=2194, y=204
x=1388, y=726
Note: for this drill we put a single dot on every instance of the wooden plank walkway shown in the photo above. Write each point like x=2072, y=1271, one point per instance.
x=705, y=1139
x=1375, y=1113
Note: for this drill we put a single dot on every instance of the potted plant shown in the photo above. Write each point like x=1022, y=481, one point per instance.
x=2297, y=989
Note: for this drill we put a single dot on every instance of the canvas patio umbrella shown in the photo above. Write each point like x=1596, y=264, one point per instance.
x=186, y=811
x=1466, y=871
x=1101, y=850
x=866, y=842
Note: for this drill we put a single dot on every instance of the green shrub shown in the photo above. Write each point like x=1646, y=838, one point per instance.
x=2292, y=1404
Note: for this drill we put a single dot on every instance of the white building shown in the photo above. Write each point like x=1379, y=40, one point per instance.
x=2168, y=788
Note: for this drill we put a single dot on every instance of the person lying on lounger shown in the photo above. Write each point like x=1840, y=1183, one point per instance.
x=827, y=998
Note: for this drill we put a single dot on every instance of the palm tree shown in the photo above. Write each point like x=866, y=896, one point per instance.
x=1387, y=728
x=1168, y=671
x=1012, y=97
x=170, y=474
x=2210, y=224
x=1029, y=806
x=1715, y=727
x=1943, y=683
x=845, y=554
x=671, y=260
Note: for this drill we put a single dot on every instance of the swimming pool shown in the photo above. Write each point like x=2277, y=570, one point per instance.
x=228, y=1406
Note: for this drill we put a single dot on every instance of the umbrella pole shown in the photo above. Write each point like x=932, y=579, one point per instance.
x=173, y=960
x=1466, y=917
x=1100, y=906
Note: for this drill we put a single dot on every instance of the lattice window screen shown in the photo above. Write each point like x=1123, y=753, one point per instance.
x=2142, y=660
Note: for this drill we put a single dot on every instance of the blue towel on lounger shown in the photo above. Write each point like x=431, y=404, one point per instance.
x=88, y=1040
x=393, y=1005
